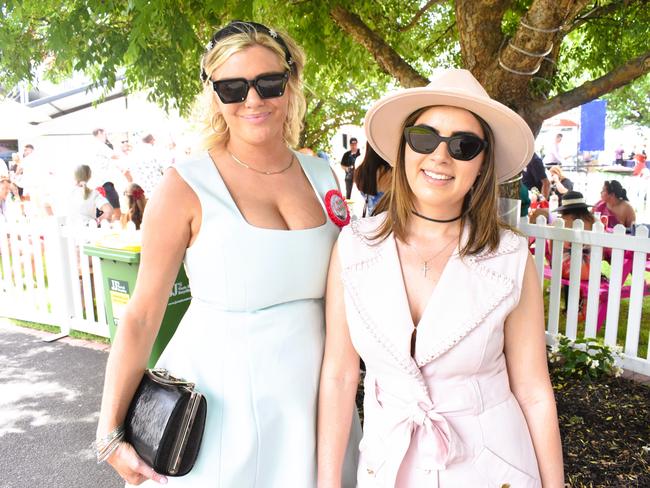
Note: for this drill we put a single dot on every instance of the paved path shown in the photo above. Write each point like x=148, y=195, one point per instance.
x=49, y=403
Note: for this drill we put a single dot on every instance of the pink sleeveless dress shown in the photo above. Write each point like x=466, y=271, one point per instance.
x=446, y=418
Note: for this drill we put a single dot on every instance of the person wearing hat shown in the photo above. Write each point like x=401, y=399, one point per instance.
x=574, y=208
x=442, y=302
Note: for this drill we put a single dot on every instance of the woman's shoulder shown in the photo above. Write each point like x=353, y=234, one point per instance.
x=315, y=166
x=195, y=160
x=357, y=241
x=364, y=229
x=510, y=242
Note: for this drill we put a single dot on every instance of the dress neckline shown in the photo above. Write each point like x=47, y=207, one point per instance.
x=235, y=208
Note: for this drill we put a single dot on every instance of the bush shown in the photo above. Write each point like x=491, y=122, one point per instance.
x=586, y=358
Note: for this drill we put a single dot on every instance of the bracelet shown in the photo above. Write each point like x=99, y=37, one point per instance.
x=105, y=446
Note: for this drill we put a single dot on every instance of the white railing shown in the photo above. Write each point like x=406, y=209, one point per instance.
x=45, y=276
x=627, y=256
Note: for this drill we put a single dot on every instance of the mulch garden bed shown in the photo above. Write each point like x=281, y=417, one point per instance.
x=605, y=427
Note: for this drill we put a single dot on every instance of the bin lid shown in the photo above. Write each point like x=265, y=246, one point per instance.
x=121, y=255
x=117, y=247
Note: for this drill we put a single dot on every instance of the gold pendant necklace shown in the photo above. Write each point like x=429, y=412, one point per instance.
x=425, y=262
x=241, y=163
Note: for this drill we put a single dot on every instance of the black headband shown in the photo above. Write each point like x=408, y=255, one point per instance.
x=238, y=27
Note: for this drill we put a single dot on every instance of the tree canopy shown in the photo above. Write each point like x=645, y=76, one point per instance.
x=540, y=57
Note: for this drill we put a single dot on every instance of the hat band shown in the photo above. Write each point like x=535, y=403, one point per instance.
x=572, y=201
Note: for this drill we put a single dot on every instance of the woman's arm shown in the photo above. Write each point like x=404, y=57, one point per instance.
x=525, y=351
x=338, y=383
x=107, y=212
x=560, y=185
x=167, y=233
x=629, y=216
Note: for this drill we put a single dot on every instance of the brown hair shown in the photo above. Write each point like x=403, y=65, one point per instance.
x=136, y=202
x=583, y=214
x=479, y=208
x=367, y=174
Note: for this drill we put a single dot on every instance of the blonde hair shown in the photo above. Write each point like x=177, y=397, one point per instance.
x=215, y=127
x=557, y=170
x=82, y=174
x=479, y=208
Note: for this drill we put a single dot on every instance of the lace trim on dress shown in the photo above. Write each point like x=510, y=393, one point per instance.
x=503, y=286
x=406, y=363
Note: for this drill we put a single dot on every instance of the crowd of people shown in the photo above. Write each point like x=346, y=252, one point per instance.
x=112, y=183
x=543, y=191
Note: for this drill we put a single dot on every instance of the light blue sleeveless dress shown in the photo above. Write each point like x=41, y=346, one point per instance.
x=252, y=339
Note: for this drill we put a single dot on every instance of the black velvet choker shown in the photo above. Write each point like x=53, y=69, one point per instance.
x=440, y=221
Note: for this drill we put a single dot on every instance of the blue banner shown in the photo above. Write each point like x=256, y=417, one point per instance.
x=592, y=126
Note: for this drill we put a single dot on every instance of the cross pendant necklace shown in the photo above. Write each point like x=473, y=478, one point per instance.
x=425, y=262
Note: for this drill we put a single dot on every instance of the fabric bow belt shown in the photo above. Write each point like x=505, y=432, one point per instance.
x=418, y=426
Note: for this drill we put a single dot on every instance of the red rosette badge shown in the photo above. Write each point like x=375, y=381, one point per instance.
x=337, y=208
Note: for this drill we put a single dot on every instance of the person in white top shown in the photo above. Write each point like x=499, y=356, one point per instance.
x=147, y=168
x=5, y=184
x=37, y=181
x=84, y=202
x=554, y=157
x=106, y=170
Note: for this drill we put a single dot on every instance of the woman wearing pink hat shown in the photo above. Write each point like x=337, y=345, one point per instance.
x=442, y=302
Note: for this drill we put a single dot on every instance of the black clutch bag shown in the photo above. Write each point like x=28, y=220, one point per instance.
x=165, y=422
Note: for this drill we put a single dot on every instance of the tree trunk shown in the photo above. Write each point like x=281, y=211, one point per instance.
x=505, y=67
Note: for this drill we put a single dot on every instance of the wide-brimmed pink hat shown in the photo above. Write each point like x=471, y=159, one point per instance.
x=513, y=139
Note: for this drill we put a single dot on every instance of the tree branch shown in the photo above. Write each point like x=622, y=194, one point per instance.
x=387, y=58
x=591, y=90
x=412, y=23
x=316, y=109
x=441, y=36
x=595, y=13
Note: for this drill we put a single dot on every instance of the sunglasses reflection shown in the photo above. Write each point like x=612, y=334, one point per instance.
x=463, y=146
x=235, y=90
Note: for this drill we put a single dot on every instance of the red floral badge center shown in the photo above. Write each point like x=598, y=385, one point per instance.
x=337, y=208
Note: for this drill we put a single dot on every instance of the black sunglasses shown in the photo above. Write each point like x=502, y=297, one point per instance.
x=424, y=140
x=235, y=90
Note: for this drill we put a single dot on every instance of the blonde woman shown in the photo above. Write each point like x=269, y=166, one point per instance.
x=84, y=202
x=254, y=223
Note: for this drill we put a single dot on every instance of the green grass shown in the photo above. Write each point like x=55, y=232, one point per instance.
x=644, y=334
x=57, y=330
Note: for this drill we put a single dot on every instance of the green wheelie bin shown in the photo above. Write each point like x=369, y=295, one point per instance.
x=119, y=274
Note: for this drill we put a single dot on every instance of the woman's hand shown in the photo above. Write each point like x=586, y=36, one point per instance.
x=131, y=467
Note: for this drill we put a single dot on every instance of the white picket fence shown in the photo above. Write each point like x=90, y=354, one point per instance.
x=47, y=278
x=626, y=252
